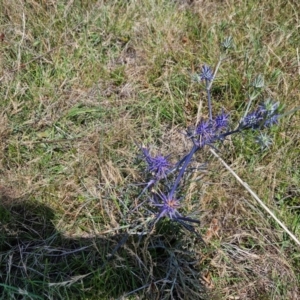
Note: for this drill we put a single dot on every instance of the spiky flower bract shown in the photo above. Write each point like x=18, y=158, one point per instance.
x=206, y=73
x=273, y=120
x=252, y=120
x=269, y=109
x=158, y=165
x=221, y=121
x=168, y=206
x=205, y=131
x=265, y=116
x=269, y=106
x=264, y=141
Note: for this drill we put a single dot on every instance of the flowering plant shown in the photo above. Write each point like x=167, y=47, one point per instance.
x=165, y=178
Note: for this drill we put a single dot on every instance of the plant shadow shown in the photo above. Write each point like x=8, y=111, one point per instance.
x=38, y=262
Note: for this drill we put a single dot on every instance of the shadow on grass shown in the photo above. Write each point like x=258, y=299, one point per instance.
x=37, y=262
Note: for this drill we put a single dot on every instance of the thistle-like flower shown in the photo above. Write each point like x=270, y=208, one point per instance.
x=168, y=207
x=252, y=120
x=206, y=73
x=157, y=165
x=205, y=131
x=265, y=116
x=221, y=121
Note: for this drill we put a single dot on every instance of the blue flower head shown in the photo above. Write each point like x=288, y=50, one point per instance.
x=221, y=121
x=203, y=128
x=157, y=165
x=205, y=131
x=273, y=120
x=168, y=207
x=206, y=73
x=253, y=120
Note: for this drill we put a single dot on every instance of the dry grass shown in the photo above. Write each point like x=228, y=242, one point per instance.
x=79, y=83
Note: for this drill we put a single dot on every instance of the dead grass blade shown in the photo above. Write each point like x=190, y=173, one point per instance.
x=246, y=186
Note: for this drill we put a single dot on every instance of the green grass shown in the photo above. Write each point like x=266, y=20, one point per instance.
x=80, y=82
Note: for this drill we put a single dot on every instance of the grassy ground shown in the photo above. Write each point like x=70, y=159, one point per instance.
x=80, y=82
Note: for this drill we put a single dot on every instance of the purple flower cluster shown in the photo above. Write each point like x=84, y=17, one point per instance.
x=211, y=130
x=265, y=116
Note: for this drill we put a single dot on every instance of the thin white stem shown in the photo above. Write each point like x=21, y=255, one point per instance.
x=246, y=186
x=198, y=113
x=298, y=60
x=215, y=73
x=22, y=39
